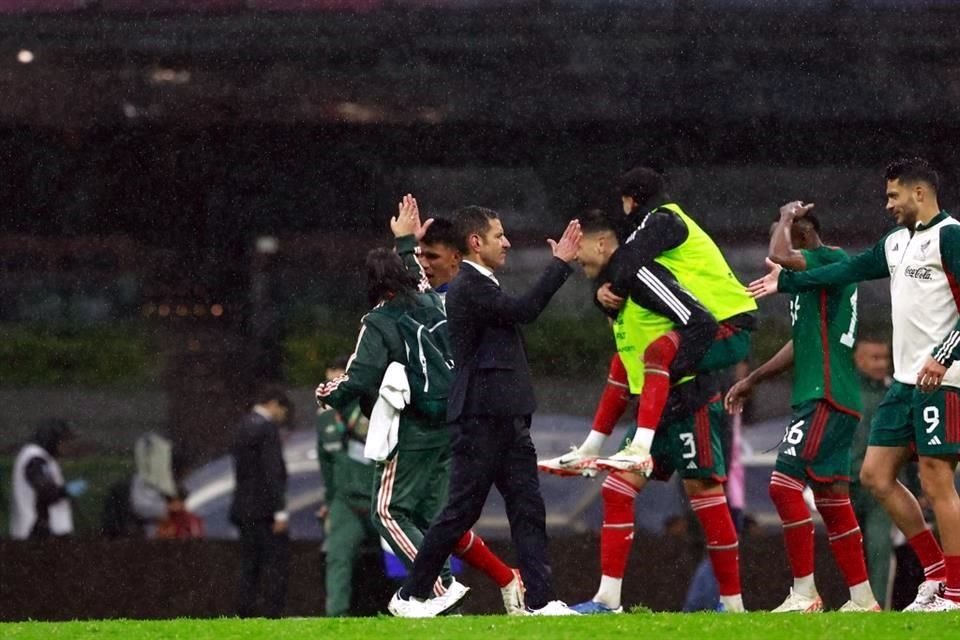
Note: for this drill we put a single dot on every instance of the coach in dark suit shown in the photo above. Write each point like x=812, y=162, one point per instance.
x=489, y=408
x=259, y=503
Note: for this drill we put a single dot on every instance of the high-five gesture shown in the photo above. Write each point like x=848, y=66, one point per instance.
x=767, y=285
x=407, y=220
x=566, y=248
x=796, y=209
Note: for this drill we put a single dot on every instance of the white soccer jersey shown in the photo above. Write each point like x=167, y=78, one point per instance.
x=923, y=266
x=923, y=306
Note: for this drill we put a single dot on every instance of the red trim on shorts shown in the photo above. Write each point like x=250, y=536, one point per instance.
x=953, y=416
x=815, y=434
x=826, y=479
x=704, y=442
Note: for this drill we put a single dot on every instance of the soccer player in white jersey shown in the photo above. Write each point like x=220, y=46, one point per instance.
x=921, y=411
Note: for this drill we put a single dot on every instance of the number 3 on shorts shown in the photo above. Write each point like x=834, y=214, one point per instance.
x=931, y=415
x=794, y=434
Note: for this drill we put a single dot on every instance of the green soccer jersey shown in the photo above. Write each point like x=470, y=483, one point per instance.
x=824, y=330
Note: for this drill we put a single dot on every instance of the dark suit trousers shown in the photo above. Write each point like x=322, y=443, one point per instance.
x=264, y=555
x=488, y=451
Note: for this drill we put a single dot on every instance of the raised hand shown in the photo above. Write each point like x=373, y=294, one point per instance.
x=407, y=220
x=566, y=247
x=767, y=285
x=796, y=209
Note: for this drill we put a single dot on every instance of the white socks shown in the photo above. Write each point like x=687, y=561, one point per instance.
x=805, y=586
x=593, y=443
x=732, y=604
x=609, y=591
x=862, y=594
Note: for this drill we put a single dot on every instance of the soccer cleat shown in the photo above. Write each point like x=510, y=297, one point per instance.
x=573, y=463
x=553, y=608
x=928, y=591
x=942, y=604
x=591, y=607
x=853, y=607
x=513, y=595
x=633, y=457
x=800, y=603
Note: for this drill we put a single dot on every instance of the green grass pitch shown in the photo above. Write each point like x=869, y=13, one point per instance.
x=633, y=626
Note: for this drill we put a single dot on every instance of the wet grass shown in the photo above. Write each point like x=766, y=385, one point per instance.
x=672, y=625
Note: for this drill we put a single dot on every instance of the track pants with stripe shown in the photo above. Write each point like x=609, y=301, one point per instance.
x=409, y=491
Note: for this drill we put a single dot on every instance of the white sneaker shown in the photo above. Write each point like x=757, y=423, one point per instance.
x=453, y=596
x=801, y=603
x=927, y=593
x=414, y=608
x=553, y=608
x=633, y=457
x=513, y=596
x=573, y=463
x=942, y=604
x=853, y=607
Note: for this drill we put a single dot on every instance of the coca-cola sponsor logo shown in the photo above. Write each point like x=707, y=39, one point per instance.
x=919, y=273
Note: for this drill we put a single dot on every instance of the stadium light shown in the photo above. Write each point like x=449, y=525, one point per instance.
x=25, y=56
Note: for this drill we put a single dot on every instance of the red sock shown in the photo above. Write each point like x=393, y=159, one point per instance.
x=846, y=540
x=722, y=545
x=787, y=496
x=616, y=536
x=656, y=379
x=475, y=552
x=615, y=398
x=930, y=555
x=952, y=592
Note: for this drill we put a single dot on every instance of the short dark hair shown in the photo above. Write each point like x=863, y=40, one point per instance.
x=441, y=231
x=51, y=432
x=270, y=392
x=387, y=276
x=596, y=221
x=913, y=170
x=643, y=184
x=340, y=362
x=811, y=219
x=471, y=220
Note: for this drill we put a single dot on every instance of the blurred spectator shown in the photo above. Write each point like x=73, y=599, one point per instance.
x=40, y=505
x=872, y=358
x=259, y=503
x=179, y=524
x=348, y=481
x=136, y=506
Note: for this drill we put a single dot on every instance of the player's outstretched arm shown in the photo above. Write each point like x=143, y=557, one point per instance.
x=768, y=284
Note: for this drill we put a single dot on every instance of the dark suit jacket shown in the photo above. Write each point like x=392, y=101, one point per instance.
x=261, y=475
x=492, y=376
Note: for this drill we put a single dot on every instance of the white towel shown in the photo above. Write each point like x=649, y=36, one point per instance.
x=385, y=417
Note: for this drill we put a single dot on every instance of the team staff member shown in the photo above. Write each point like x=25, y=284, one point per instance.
x=411, y=485
x=348, y=483
x=490, y=406
x=259, y=503
x=826, y=404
